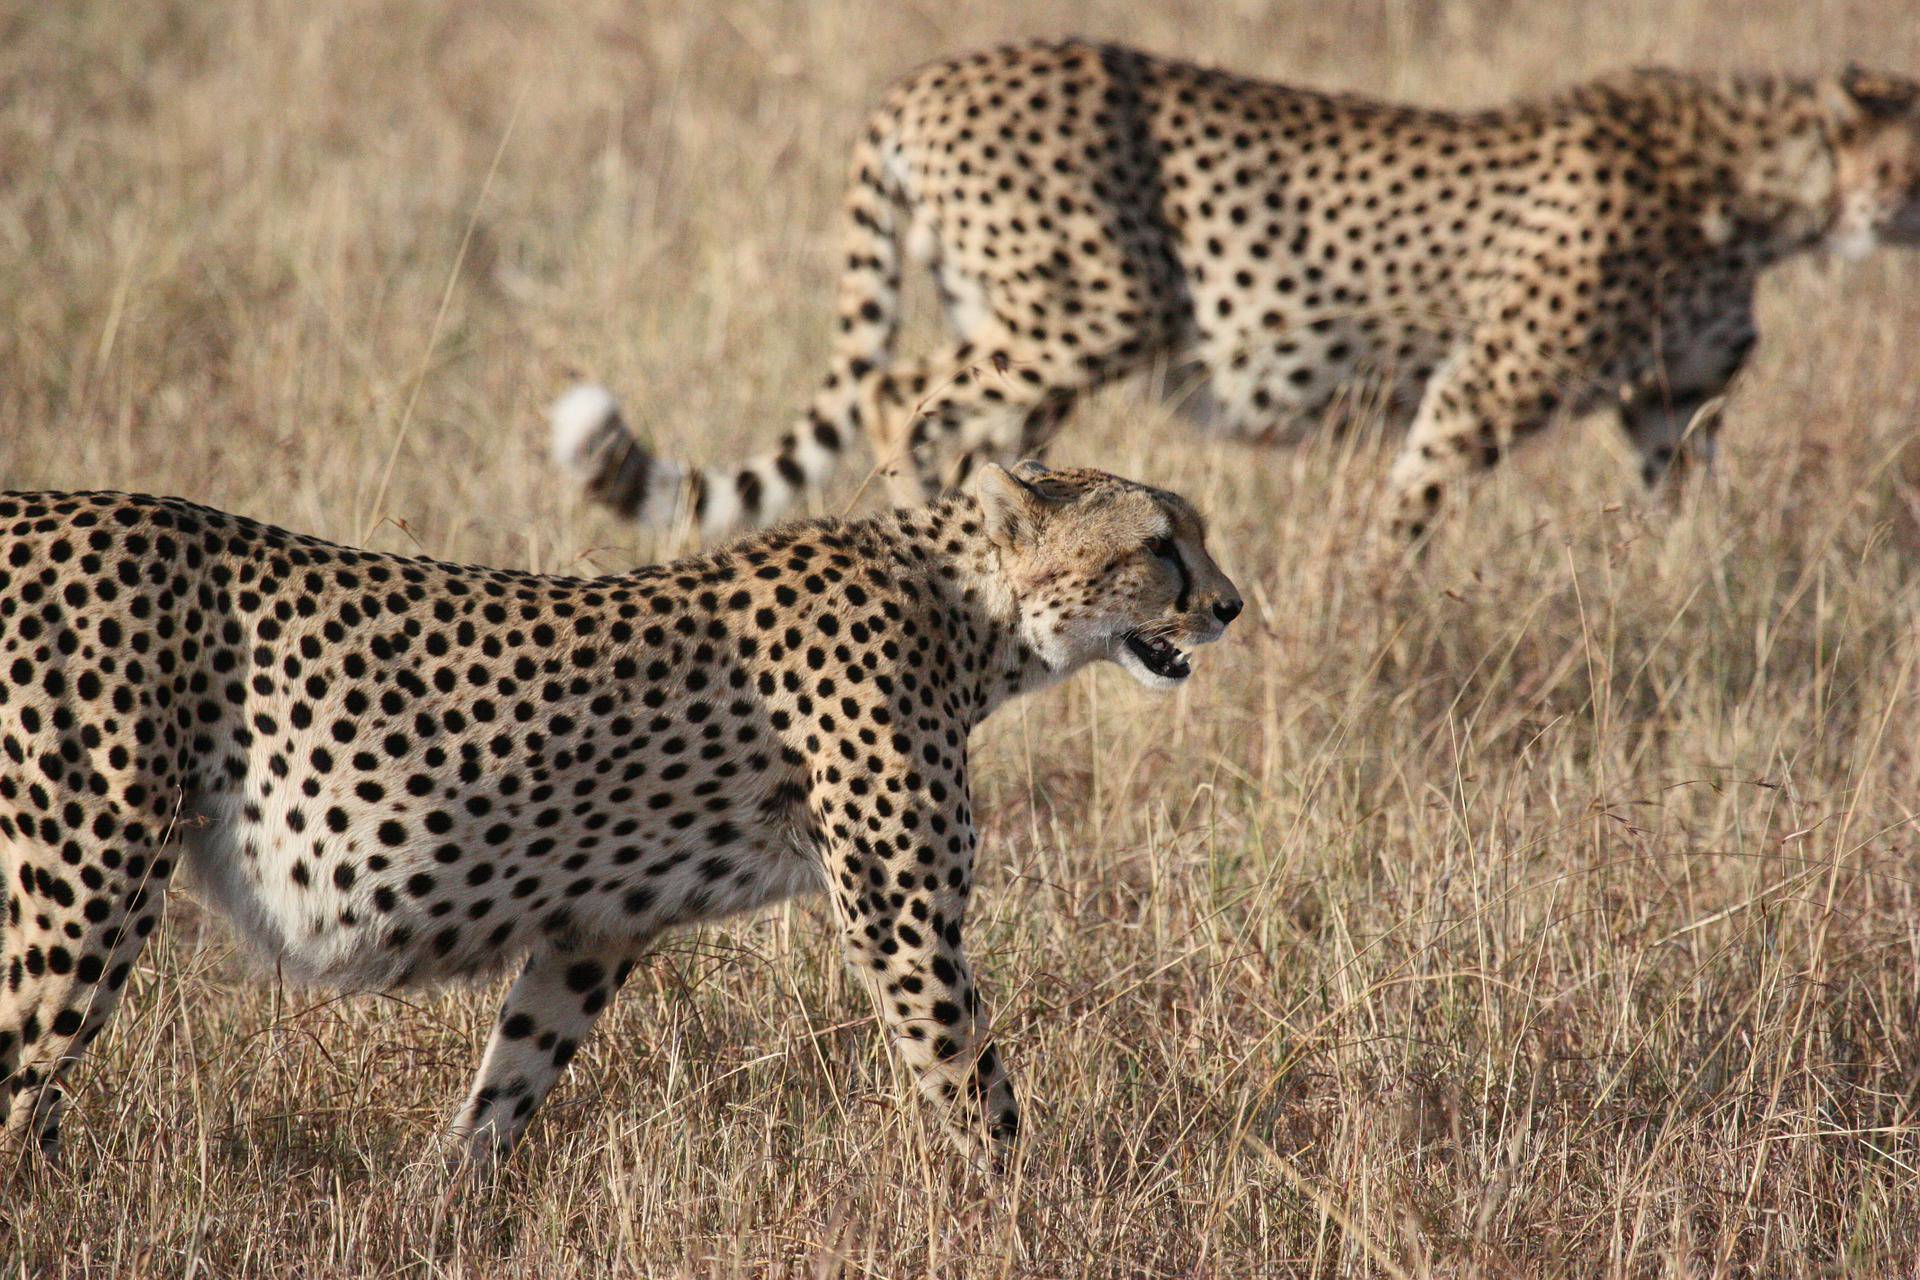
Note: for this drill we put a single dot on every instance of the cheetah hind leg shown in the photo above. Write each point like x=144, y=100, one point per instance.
x=888, y=403
x=1036, y=433
x=548, y=1012
x=72, y=936
x=983, y=398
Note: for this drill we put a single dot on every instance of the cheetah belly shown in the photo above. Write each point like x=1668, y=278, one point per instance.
x=1281, y=384
x=347, y=910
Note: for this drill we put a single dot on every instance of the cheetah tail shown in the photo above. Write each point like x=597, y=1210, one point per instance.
x=592, y=441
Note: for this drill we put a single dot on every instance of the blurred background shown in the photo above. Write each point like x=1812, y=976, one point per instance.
x=1554, y=915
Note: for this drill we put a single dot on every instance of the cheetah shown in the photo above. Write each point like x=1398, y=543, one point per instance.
x=1087, y=209
x=391, y=771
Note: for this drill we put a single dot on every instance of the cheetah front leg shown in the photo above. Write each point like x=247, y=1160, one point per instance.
x=1675, y=436
x=900, y=893
x=918, y=973
x=548, y=1013
x=1673, y=410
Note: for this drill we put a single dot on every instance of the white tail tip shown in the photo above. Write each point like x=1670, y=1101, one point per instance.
x=576, y=417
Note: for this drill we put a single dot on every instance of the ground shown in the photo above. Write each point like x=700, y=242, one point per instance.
x=1556, y=914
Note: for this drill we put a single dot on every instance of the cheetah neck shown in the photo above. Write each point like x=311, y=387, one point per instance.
x=1773, y=134
x=944, y=546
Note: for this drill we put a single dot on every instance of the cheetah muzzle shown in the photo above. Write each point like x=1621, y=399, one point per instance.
x=1161, y=660
x=390, y=771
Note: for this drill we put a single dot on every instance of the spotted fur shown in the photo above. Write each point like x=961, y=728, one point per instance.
x=1087, y=209
x=390, y=771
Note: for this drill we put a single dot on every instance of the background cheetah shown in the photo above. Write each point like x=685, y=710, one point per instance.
x=390, y=771
x=1087, y=209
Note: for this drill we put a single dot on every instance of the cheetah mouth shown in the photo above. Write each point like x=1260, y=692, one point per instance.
x=1158, y=657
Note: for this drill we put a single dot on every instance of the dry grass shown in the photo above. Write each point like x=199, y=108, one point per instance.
x=1557, y=917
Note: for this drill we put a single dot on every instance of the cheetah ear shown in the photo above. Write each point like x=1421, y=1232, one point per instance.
x=1877, y=94
x=1011, y=509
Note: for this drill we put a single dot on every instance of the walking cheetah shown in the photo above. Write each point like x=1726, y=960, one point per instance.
x=1086, y=209
x=389, y=770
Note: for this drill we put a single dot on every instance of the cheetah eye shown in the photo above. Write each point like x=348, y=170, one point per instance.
x=1164, y=548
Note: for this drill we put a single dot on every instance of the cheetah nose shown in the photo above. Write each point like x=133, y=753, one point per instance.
x=1228, y=610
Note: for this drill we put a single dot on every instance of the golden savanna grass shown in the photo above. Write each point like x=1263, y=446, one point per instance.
x=1555, y=915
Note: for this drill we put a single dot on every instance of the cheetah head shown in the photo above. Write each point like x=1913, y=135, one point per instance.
x=1876, y=160
x=1103, y=568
